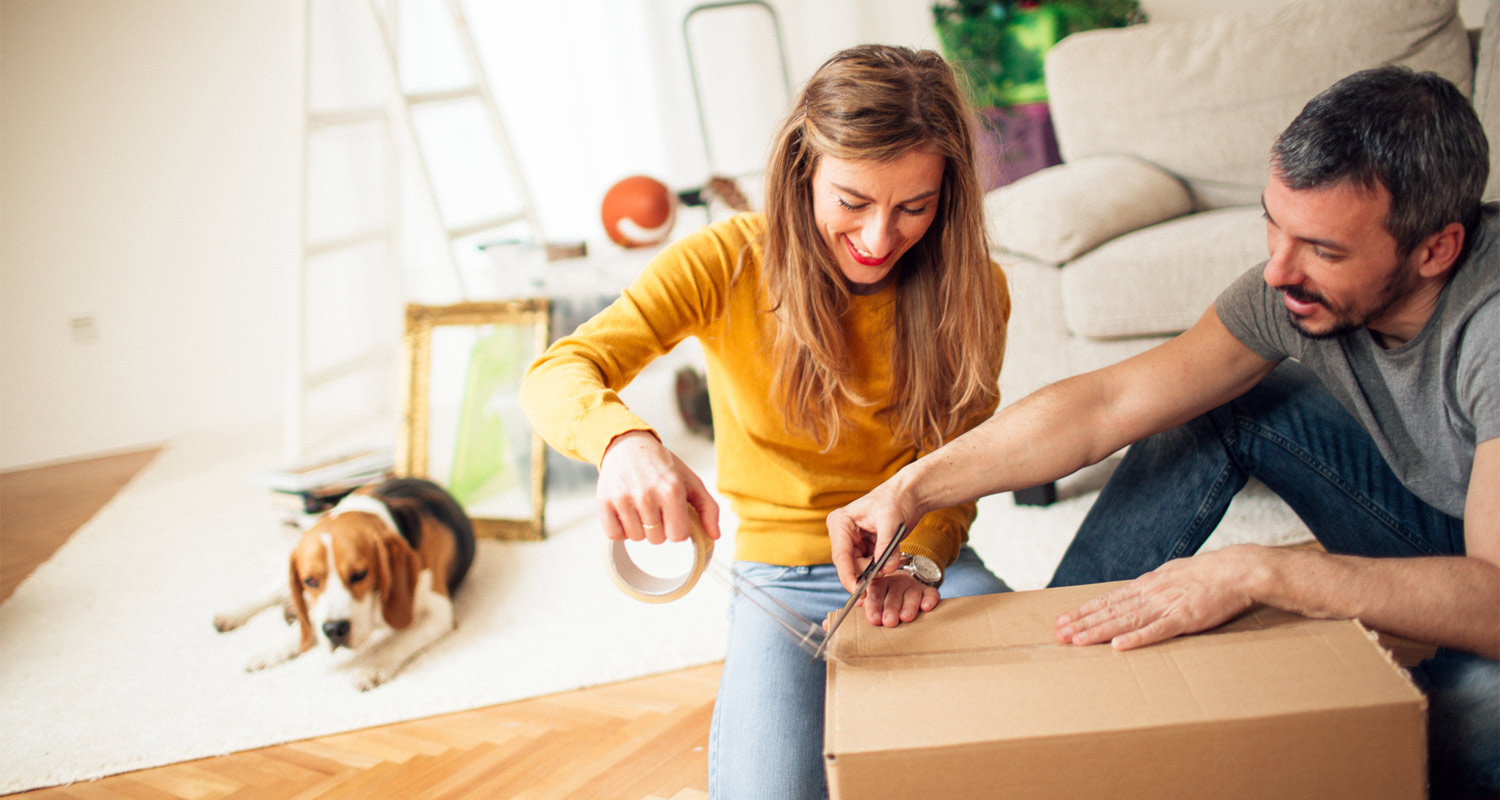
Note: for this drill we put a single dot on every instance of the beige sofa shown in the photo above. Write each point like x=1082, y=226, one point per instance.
x=1165, y=130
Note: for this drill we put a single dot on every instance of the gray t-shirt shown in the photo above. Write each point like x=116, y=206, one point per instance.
x=1426, y=403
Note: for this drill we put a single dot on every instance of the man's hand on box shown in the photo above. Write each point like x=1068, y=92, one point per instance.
x=1182, y=596
x=897, y=598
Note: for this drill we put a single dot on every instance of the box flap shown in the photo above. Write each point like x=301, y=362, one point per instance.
x=1009, y=620
x=990, y=669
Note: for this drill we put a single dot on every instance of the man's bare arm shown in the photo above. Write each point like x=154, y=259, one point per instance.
x=1054, y=432
x=1084, y=419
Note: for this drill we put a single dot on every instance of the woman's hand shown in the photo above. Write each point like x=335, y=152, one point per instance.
x=898, y=598
x=646, y=492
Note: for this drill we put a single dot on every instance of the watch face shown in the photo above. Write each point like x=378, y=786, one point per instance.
x=925, y=569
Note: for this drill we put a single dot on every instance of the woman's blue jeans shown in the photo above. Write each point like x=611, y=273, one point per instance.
x=1289, y=432
x=766, y=740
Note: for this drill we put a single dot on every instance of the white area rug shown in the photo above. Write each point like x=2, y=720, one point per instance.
x=110, y=662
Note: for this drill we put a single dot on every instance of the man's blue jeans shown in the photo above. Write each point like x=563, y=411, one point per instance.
x=1289, y=432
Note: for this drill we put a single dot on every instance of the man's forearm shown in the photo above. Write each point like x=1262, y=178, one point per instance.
x=1045, y=436
x=1082, y=420
x=1452, y=601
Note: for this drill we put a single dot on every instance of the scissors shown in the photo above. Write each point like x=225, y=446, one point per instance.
x=864, y=583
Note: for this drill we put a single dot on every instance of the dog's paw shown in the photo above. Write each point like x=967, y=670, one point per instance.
x=270, y=658
x=223, y=623
x=368, y=678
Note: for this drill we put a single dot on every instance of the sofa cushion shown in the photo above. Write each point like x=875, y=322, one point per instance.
x=1204, y=99
x=1487, y=92
x=1060, y=212
x=1160, y=279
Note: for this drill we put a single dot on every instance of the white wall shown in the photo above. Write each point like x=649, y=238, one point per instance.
x=147, y=169
x=149, y=156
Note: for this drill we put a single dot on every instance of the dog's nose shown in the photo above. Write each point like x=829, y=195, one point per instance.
x=337, y=630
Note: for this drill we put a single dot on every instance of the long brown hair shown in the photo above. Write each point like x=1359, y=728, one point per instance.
x=877, y=102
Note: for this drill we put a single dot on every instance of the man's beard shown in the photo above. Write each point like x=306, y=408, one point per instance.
x=1396, y=285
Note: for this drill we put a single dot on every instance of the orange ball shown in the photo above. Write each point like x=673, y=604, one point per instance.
x=638, y=211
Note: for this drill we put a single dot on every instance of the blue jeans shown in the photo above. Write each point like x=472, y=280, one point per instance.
x=1290, y=433
x=766, y=740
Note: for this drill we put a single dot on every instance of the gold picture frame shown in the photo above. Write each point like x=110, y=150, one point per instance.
x=469, y=434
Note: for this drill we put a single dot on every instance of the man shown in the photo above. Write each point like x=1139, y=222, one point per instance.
x=1384, y=283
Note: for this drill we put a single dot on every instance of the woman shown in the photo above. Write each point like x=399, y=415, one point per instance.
x=853, y=326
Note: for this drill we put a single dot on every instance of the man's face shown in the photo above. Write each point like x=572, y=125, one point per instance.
x=1332, y=258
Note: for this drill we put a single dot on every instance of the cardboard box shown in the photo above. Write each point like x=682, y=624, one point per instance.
x=977, y=699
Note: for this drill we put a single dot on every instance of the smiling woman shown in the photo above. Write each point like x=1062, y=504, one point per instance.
x=871, y=213
x=853, y=326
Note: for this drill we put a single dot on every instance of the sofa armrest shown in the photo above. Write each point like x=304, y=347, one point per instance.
x=1487, y=91
x=1063, y=211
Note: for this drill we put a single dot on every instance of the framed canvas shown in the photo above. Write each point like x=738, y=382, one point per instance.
x=464, y=426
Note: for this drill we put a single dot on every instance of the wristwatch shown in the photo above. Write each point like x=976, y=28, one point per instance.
x=923, y=569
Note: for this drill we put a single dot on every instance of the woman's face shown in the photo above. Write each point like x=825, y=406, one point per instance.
x=871, y=212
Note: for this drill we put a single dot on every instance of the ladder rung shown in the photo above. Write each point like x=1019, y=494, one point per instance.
x=445, y=96
x=485, y=225
x=353, y=116
x=382, y=356
x=323, y=248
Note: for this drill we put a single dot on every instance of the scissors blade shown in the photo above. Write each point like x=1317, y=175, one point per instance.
x=864, y=583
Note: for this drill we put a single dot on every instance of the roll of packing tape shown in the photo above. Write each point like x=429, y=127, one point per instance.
x=649, y=588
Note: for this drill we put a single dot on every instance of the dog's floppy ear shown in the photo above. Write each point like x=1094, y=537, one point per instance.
x=398, y=572
x=299, y=605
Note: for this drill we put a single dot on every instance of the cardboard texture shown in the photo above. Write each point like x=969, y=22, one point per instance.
x=977, y=699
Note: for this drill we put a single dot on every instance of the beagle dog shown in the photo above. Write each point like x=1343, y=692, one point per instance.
x=388, y=556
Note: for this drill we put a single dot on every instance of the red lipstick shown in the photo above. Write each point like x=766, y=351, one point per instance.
x=862, y=259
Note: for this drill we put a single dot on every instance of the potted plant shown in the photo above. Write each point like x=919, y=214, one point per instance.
x=998, y=47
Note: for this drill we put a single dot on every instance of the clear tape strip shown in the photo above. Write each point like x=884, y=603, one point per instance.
x=803, y=632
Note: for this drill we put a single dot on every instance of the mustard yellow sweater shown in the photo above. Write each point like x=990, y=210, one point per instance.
x=778, y=484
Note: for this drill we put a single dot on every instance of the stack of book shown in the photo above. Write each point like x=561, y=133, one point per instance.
x=315, y=484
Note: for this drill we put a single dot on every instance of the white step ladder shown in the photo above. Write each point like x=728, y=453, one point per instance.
x=397, y=115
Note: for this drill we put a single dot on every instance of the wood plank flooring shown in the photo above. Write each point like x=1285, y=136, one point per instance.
x=40, y=508
x=644, y=739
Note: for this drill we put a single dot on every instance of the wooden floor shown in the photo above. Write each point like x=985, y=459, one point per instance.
x=645, y=738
